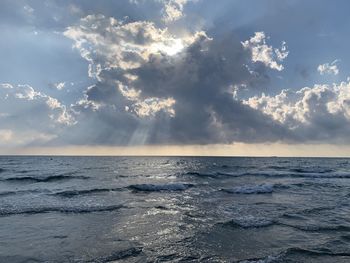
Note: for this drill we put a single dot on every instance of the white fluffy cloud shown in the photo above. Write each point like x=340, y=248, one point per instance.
x=321, y=109
x=146, y=107
x=20, y=94
x=261, y=52
x=173, y=9
x=110, y=43
x=329, y=68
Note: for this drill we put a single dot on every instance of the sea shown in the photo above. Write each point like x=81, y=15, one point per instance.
x=174, y=209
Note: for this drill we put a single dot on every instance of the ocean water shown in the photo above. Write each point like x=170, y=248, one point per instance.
x=174, y=209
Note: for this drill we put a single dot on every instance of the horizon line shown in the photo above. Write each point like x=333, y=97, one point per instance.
x=213, y=150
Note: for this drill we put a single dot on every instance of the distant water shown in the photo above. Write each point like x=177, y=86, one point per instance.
x=173, y=209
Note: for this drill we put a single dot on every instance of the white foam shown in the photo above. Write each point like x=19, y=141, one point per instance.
x=251, y=189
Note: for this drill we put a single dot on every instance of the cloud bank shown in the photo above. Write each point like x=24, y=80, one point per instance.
x=152, y=80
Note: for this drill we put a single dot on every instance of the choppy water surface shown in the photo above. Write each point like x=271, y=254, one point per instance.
x=173, y=209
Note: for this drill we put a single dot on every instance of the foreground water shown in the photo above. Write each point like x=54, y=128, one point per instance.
x=172, y=209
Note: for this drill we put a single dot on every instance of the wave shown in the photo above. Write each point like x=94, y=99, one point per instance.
x=297, y=175
x=286, y=255
x=317, y=183
x=317, y=228
x=95, y=168
x=293, y=173
x=315, y=170
x=345, y=237
x=71, y=193
x=257, y=222
x=228, y=174
x=119, y=255
x=249, y=222
x=276, y=167
x=41, y=210
x=2, y=170
x=235, y=167
x=312, y=210
x=268, y=259
x=328, y=176
x=25, y=171
x=34, y=179
x=160, y=187
x=251, y=189
x=200, y=174
x=315, y=252
x=212, y=175
x=9, y=193
x=161, y=207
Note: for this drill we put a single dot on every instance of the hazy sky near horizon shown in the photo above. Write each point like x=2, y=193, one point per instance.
x=174, y=72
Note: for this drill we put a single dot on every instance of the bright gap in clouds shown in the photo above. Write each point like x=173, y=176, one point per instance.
x=175, y=46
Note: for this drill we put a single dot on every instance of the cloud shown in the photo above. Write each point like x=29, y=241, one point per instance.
x=110, y=43
x=114, y=49
x=166, y=72
x=29, y=113
x=5, y=135
x=60, y=85
x=10, y=138
x=327, y=68
x=147, y=95
x=147, y=107
x=261, y=52
x=319, y=113
x=173, y=9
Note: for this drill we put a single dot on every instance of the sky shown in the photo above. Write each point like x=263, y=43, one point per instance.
x=175, y=77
